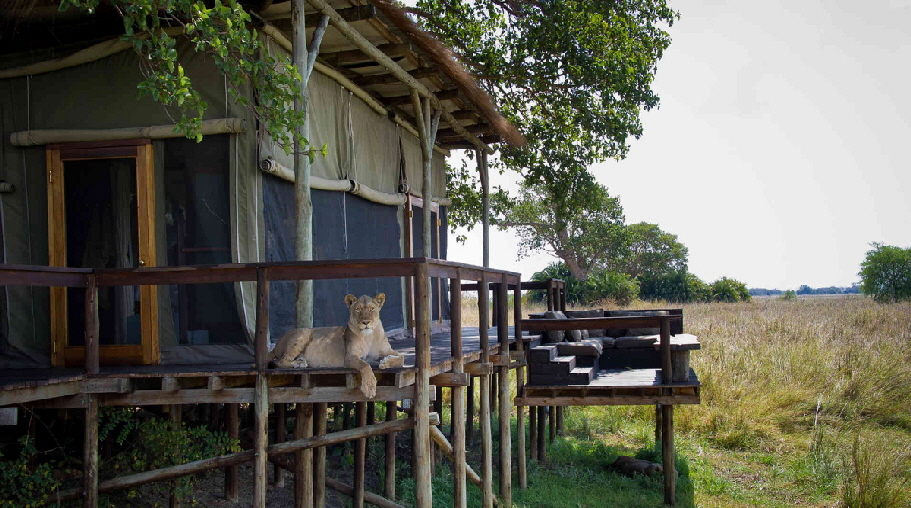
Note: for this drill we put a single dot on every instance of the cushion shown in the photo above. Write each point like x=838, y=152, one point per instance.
x=585, y=314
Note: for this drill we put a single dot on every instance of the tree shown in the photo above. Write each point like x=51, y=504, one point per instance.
x=886, y=273
x=573, y=75
x=601, y=285
x=652, y=252
x=729, y=290
x=584, y=227
x=678, y=286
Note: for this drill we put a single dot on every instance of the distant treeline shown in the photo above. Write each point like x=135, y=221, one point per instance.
x=807, y=290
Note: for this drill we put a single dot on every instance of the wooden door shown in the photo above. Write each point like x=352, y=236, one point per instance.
x=135, y=157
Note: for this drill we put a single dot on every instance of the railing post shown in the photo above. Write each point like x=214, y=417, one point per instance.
x=505, y=403
x=520, y=384
x=667, y=413
x=459, y=495
x=484, y=410
x=261, y=389
x=422, y=475
x=91, y=349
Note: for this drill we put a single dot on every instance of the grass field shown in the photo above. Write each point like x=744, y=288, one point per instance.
x=804, y=403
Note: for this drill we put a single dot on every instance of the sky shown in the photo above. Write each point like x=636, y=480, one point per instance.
x=781, y=148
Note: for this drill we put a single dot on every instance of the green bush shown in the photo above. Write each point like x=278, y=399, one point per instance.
x=789, y=295
x=680, y=286
x=729, y=290
x=886, y=273
x=21, y=485
x=601, y=285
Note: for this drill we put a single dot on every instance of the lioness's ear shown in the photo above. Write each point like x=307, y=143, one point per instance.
x=350, y=299
x=380, y=299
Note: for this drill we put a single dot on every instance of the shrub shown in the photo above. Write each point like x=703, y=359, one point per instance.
x=24, y=486
x=789, y=295
x=601, y=284
x=886, y=273
x=729, y=290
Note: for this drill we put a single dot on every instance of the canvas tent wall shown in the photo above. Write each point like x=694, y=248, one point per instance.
x=363, y=146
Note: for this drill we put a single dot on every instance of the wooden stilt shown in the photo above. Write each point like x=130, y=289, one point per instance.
x=421, y=408
x=552, y=423
x=90, y=455
x=389, y=483
x=278, y=478
x=346, y=415
x=174, y=415
x=360, y=455
x=469, y=411
x=460, y=494
x=371, y=417
x=303, y=459
x=438, y=409
x=667, y=454
x=542, y=434
x=231, y=479
x=533, y=431
x=657, y=424
x=484, y=410
x=520, y=385
x=505, y=403
x=260, y=440
x=494, y=391
x=560, y=411
x=320, y=414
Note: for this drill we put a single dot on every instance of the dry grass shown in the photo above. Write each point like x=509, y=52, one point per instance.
x=804, y=403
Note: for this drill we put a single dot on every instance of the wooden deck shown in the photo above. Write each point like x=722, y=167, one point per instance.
x=208, y=383
x=615, y=387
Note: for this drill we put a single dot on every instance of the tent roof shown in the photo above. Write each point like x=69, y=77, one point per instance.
x=30, y=26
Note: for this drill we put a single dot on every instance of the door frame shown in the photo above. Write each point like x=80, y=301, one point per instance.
x=147, y=352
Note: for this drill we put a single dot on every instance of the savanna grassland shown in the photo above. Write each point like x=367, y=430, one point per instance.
x=804, y=403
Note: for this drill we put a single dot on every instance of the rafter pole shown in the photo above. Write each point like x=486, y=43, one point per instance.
x=381, y=58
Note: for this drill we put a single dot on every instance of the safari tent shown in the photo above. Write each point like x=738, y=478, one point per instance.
x=96, y=178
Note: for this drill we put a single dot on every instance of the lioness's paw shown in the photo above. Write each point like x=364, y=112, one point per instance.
x=300, y=363
x=368, y=387
x=392, y=361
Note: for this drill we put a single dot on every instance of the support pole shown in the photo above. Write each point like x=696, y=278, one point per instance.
x=542, y=434
x=552, y=423
x=389, y=484
x=360, y=455
x=231, y=476
x=459, y=495
x=667, y=454
x=505, y=402
x=174, y=415
x=520, y=386
x=91, y=350
x=469, y=411
x=303, y=459
x=278, y=478
x=484, y=410
x=90, y=454
x=485, y=206
x=320, y=413
x=533, y=431
x=421, y=444
x=560, y=411
x=657, y=424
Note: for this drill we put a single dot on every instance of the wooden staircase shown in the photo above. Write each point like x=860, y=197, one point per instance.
x=564, y=363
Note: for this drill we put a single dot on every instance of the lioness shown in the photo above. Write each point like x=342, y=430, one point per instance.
x=363, y=338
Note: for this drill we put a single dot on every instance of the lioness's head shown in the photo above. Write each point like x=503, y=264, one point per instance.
x=365, y=311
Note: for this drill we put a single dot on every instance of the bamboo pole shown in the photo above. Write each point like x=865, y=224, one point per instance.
x=90, y=454
x=459, y=465
x=303, y=459
x=360, y=455
x=231, y=476
x=505, y=403
x=321, y=411
x=520, y=386
x=484, y=410
x=389, y=480
x=421, y=444
x=278, y=478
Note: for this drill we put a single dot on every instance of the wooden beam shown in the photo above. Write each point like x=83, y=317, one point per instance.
x=90, y=455
x=449, y=451
x=355, y=56
x=477, y=128
x=389, y=458
x=387, y=79
x=667, y=453
x=479, y=368
x=350, y=14
x=398, y=100
x=92, y=351
x=505, y=402
x=360, y=455
x=231, y=472
x=260, y=440
x=422, y=474
x=366, y=46
x=450, y=379
x=484, y=410
x=519, y=354
x=369, y=497
x=457, y=450
x=281, y=428
x=618, y=400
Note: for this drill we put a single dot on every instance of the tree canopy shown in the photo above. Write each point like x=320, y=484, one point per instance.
x=885, y=273
x=585, y=228
x=573, y=75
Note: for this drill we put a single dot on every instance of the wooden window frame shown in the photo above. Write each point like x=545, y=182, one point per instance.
x=147, y=352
